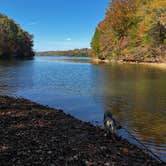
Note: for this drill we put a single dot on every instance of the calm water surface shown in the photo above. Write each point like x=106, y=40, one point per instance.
x=135, y=94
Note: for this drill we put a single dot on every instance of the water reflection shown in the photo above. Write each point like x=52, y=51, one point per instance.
x=16, y=76
x=66, y=59
x=136, y=96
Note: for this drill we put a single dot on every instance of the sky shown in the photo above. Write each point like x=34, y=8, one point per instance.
x=57, y=24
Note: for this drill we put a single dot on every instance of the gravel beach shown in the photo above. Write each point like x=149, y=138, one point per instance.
x=35, y=135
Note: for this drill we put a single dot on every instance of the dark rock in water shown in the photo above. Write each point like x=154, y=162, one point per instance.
x=31, y=134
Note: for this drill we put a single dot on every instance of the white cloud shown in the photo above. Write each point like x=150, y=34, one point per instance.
x=68, y=39
x=32, y=23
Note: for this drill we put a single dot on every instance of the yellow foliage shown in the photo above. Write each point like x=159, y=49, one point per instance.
x=142, y=23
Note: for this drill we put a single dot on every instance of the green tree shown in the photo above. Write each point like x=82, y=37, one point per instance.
x=95, y=42
x=14, y=41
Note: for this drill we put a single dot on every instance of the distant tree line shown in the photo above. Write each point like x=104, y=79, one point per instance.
x=133, y=30
x=14, y=41
x=76, y=52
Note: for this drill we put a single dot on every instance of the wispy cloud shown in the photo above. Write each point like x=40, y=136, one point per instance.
x=68, y=39
x=32, y=23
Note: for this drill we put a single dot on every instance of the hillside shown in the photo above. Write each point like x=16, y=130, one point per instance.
x=75, y=52
x=133, y=30
x=14, y=41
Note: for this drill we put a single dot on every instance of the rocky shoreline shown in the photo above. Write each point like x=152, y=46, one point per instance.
x=32, y=134
x=152, y=64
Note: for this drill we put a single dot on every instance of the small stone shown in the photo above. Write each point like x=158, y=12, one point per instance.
x=49, y=152
x=75, y=157
x=103, y=148
x=107, y=164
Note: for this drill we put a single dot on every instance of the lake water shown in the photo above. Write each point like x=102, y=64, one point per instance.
x=135, y=94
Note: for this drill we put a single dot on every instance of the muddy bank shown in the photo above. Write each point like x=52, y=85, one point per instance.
x=32, y=134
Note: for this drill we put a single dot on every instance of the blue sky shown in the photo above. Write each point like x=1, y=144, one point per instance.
x=57, y=24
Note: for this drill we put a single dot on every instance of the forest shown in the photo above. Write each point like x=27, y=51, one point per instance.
x=76, y=52
x=133, y=30
x=14, y=41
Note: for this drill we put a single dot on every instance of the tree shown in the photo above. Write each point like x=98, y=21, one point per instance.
x=132, y=28
x=14, y=41
x=95, y=42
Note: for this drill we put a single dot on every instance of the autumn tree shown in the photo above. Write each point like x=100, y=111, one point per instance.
x=132, y=28
x=14, y=42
